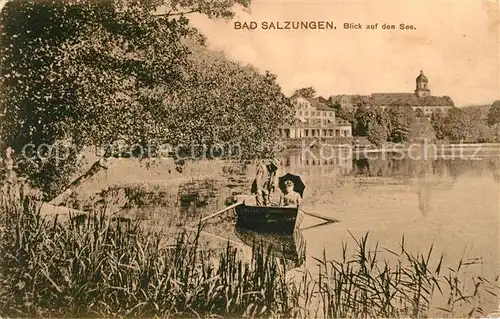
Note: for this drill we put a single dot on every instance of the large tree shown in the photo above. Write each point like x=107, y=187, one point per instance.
x=437, y=122
x=423, y=130
x=84, y=73
x=379, y=128
x=306, y=92
x=229, y=104
x=372, y=122
x=362, y=117
x=402, y=119
x=494, y=114
x=456, y=125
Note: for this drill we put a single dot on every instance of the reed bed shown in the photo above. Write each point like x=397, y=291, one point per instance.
x=366, y=286
x=97, y=267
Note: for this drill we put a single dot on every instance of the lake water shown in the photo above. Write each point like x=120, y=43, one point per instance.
x=451, y=202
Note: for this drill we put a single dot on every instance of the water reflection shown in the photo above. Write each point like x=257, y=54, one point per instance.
x=341, y=160
x=424, y=191
x=316, y=161
x=288, y=247
x=391, y=165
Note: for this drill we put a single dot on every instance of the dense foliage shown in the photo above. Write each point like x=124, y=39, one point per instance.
x=380, y=126
x=494, y=114
x=401, y=124
x=306, y=92
x=402, y=118
x=82, y=73
x=229, y=106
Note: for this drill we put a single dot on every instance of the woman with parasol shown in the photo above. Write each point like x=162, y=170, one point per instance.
x=290, y=197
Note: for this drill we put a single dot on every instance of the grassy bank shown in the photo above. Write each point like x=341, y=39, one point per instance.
x=100, y=268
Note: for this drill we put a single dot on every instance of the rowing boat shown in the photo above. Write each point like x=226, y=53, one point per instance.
x=269, y=219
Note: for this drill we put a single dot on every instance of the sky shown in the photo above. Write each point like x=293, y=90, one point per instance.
x=456, y=44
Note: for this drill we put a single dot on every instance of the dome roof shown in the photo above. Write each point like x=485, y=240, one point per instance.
x=422, y=77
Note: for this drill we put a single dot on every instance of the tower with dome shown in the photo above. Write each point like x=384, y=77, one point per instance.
x=422, y=90
x=421, y=100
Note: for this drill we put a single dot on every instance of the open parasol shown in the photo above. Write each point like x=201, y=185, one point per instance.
x=298, y=184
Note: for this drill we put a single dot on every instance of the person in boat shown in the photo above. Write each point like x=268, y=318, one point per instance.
x=290, y=197
x=265, y=182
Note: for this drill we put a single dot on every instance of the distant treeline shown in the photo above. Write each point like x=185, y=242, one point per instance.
x=400, y=124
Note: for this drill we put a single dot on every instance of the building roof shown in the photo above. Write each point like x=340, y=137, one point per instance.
x=349, y=97
x=322, y=99
x=410, y=99
x=318, y=105
x=422, y=77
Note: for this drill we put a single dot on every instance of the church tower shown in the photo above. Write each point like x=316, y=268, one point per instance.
x=422, y=90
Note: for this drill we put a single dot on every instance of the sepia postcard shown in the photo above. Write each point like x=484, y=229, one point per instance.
x=250, y=158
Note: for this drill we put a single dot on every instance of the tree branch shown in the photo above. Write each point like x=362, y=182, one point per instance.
x=168, y=14
x=94, y=169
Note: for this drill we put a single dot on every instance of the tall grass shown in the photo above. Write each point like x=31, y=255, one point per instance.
x=97, y=267
x=367, y=286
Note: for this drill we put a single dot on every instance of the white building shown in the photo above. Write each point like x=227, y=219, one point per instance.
x=314, y=119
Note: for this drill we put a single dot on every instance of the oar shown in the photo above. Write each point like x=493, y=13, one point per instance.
x=202, y=232
x=316, y=226
x=320, y=217
x=218, y=213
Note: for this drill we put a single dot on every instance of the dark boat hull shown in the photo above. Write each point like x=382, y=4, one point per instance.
x=282, y=220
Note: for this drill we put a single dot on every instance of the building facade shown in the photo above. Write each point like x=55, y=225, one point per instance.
x=314, y=119
x=421, y=100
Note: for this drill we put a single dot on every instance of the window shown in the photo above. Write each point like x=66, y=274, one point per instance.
x=306, y=133
x=306, y=113
x=300, y=112
x=329, y=113
x=324, y=113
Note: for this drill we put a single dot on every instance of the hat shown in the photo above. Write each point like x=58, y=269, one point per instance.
x=274, y=162
x=288, y=183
